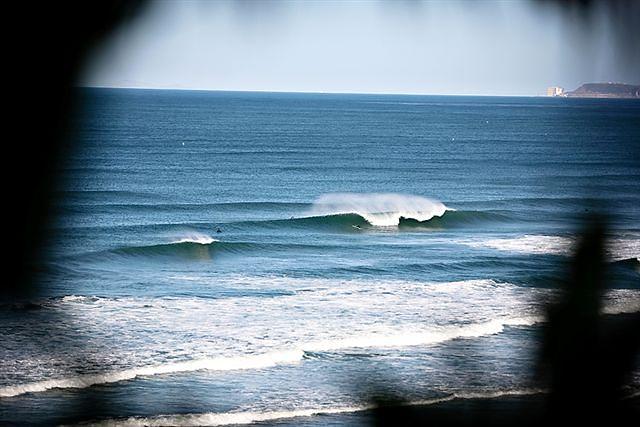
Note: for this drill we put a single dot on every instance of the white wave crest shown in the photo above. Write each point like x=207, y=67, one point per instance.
x=250, y=417
x=433, y=336
x=621, y=301
x=227, y=418
x=195, y=237
x=379, y=209
x=73, y=298
x=624, y=248
x=214, y=364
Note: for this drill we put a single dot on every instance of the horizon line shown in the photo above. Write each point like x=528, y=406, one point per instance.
x=301, y=91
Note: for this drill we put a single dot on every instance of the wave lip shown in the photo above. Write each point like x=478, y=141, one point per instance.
x=260, y=361
x=378, y=209
x=199, y=238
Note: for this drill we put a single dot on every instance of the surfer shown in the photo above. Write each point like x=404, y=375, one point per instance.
x=356, y=226
x=218, y=230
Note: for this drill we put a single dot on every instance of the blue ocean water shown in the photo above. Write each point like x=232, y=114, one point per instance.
x=224, y=257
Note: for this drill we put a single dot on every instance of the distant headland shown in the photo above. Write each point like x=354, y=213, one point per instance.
x=598, y=90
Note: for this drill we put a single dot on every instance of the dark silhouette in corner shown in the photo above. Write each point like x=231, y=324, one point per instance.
x=47, y=47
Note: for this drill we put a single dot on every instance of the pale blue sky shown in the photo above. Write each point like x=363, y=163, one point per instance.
x=452, y=47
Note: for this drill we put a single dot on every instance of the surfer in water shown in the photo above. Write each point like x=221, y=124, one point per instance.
x=356, y=226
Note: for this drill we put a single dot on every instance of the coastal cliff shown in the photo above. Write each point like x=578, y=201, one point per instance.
x=605, y=90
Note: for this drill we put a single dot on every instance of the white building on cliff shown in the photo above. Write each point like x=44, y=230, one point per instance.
x=555, y=91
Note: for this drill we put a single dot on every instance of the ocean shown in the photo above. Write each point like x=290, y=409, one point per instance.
x=232, y=257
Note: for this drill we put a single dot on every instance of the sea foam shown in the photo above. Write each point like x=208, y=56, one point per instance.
x=434, y=335
x=250, y=417
x=380, y=340
x=259, y=361
x=618, y=248
x=489, y=307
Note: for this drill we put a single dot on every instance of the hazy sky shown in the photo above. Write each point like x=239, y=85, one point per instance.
x=489, y=48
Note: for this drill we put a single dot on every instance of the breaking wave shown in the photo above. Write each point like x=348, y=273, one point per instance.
x=453, y=219
x=261, y=361
x=250, y=417
x=347, y=210
x=378, y=209
x=199, y=238
x=214, y=364
x=429, y=337
x=621, y=301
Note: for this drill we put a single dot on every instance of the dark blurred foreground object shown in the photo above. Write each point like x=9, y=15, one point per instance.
x=586, y=359
x=47, y=45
